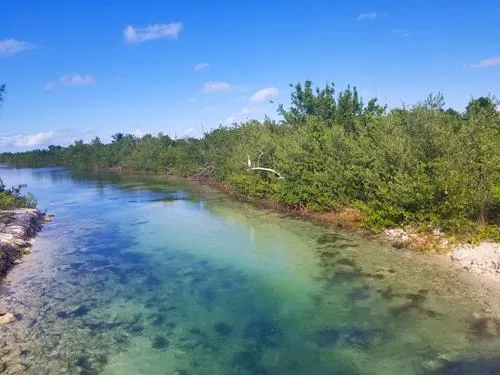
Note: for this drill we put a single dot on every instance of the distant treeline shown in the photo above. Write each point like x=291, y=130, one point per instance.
x=423, y=164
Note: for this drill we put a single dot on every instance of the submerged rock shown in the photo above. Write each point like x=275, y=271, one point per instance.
x=487, y=327
x=326, y=337
x=223, y=329
x=160, y=342
x=265, y=332
x=473, y=366
x=7, y=318
x=364, y=338
x=248, y=360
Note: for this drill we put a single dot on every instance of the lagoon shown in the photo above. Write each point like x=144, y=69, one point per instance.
x=141, y=275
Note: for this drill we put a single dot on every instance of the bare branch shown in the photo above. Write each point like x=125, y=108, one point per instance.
x=268, y=170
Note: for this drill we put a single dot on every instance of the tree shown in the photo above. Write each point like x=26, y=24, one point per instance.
x=307, y=102
x=117, y=137
x=2, y=93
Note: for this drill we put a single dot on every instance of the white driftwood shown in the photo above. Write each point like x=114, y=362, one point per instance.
x=259, y=168
x=267, y=170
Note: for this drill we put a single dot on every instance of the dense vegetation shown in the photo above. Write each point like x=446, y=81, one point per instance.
x=12, y=198
x=422, y=165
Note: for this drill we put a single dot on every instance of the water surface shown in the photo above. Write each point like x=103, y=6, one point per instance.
x=137, y=275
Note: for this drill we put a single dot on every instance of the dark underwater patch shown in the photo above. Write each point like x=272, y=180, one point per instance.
x=223, y=329
x=160, y=342
x=326, y=337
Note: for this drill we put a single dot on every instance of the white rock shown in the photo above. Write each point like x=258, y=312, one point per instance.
x=7, y=318
x=483, y=258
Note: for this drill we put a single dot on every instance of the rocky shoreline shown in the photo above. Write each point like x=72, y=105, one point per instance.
x=17, y=229
x=482, y=258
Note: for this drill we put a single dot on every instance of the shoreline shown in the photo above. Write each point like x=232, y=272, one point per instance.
x=18, y=228
x=481, y=260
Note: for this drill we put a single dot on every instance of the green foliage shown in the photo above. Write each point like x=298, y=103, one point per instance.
x=2, y=93
x=420, y=165
x=252, y=185
x=489, y=232
x=12, y=198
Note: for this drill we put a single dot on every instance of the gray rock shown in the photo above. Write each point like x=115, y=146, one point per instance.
x=16, y=233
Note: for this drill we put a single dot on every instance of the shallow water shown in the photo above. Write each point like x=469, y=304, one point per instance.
x=139, y=276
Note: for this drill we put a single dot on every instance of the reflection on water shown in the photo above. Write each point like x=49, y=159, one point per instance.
x=137, y=276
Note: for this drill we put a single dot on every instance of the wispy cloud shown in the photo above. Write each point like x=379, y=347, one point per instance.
x=152, y=32
x=26, y=140
x=368, y=16
x=490, y=62
x=200, y=66
x=264, y=94
x=77, y=80
x=214, y=86
x=9, y=47
x=71, y=80
x=401, y=32
x=244, y=112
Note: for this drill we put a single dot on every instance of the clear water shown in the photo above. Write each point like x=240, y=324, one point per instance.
x=136, y=275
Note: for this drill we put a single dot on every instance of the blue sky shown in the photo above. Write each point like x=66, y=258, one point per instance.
x=77, y=69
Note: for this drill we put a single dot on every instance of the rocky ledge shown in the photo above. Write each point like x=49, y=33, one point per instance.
x=483, y=258
x=17, y=229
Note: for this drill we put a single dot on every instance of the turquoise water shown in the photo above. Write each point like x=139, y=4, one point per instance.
x=137, y=275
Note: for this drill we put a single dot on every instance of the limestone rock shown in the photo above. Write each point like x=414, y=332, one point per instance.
x=17, y=229
x=7, y=318
x=483, y=259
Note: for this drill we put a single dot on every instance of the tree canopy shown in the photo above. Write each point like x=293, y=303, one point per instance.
x=412, y=165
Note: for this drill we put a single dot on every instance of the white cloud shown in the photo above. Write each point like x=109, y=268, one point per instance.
x=200, y=66
x=9, y=47
x=152, y=32
x=213, y=86
x=367, y=16
x=487, y=63
x=77, y=80
x=26, y=140
x=264, y=94
x=245, y=111
x=139, y=133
